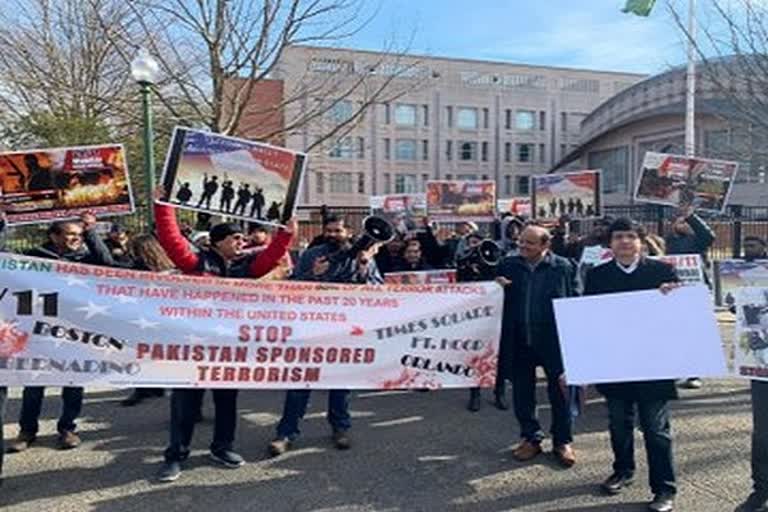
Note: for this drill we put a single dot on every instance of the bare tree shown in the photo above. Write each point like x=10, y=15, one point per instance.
x=214, y=53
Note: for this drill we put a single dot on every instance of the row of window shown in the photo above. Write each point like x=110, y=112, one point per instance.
x=406, y=183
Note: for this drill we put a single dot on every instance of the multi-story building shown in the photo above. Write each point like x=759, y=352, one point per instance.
x=445, y=119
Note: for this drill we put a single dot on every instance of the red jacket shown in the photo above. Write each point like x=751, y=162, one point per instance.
x=209, y=262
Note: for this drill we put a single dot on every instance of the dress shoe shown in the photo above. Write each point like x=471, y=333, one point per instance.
x=279, y=446
x=565, y=455
x=526, y=451
x=616, y=483
x=662, y=503
x=68, y=440
x=22, y=442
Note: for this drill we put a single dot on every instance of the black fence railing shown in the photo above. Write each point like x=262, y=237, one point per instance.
x=731, y=227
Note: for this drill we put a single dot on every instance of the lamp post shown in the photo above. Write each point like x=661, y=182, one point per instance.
x=145, y=71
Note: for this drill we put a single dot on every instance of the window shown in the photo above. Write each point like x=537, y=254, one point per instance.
x=360, y=183
x=484, y=151
x=449, y=176
x=542, y=154
x=449, y=150
x=405, y=115
x=405, y=149
x=424, y=180
x=341, y=183
x=716, y=143
x=406, y=184
x=466, y=118
x=343, y=148
x=387, y=149
x=508, y=119
x=523, y=185
x=525, y=152
x=485, y=118
x=466, y=177
x=425, y=149
x=563, y=150
x=387, y=184
x=467, y=151
x=341, y=111
x=508, y=185
x=542, y=120
x=449, y=116
x=507, y=151
x=563, y=121
x=319, y=183
x=484, y=177
x=615, y=166
x=525, y=120
x=360, y=148
x=425, y=114
x=387, y=113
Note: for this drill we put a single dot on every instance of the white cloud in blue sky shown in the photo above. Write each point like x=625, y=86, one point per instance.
x=592, y=34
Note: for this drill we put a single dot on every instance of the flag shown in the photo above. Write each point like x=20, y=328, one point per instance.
x=639, y=7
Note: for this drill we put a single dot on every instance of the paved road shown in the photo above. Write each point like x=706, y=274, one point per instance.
x=413, y=451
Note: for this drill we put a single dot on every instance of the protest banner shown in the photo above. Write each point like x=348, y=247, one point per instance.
x=688, y=267
x=238, y=178
x=750, y=351
x=676, y=180
x=79, y=325
x=594, y=255
x=404, y=211
x=573, y=194
x=456, y=201
x=517, y=206
x=733, y=274
x=681, y=340
x=421, y=277
x=42, y=185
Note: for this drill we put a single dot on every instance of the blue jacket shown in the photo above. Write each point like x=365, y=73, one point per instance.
x=340, y=271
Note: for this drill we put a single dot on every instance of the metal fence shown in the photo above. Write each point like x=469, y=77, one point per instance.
x=730, y=228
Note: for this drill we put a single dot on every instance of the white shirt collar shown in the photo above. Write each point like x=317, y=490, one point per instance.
x=629, y=269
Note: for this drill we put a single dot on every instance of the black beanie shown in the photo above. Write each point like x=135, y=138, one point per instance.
x=221, y=231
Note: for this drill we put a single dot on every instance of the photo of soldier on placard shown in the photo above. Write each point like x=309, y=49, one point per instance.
x=576, y=195
x=234, y=177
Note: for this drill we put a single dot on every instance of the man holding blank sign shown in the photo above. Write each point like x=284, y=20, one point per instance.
x=631, y=272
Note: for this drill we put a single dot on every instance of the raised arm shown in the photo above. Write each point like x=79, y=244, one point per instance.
x=170, y=238
x=266, y=260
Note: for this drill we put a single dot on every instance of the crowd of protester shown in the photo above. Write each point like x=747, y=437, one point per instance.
x=534, y=263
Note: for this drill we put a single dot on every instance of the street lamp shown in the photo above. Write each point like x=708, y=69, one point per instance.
x=145, y=71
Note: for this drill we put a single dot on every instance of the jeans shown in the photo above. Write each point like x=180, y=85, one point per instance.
x=3, y=396
x=32, y=402
x=524, y=365
x=185, y=403
x=657, y=432
x=760, y=436
x=296, y=407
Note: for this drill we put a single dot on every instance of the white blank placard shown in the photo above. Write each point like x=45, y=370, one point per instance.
x=638, y=336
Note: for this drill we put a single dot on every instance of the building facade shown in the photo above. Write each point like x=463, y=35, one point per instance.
x=650, y=116
x=445, y=119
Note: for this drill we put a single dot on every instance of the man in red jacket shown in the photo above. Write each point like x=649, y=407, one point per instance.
x=225, y=258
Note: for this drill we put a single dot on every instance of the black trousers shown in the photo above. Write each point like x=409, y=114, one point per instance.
x=3, y=397
x=657, y=432
x=524, y=364
x=184, y=406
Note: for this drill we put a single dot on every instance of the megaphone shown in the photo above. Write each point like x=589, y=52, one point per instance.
x=489, y=252
x=376, y=230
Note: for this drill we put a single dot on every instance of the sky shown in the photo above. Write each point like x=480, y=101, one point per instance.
x=591, y=34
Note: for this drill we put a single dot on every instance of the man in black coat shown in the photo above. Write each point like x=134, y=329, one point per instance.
x=77, y=242
x=629, y=271
x=531, y=281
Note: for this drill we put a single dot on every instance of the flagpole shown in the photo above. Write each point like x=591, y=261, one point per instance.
x=690, y=82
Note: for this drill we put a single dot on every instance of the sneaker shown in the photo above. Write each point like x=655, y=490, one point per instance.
x=616, y=483
x=565, y=455
x=22, y=442
x=756, y=502
x=68, y=440
x=279, y=446
x=692, y=383
x=169, y=472
x=662, y=503
x=227, y=458
x=341, y=440
x=526, y=451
